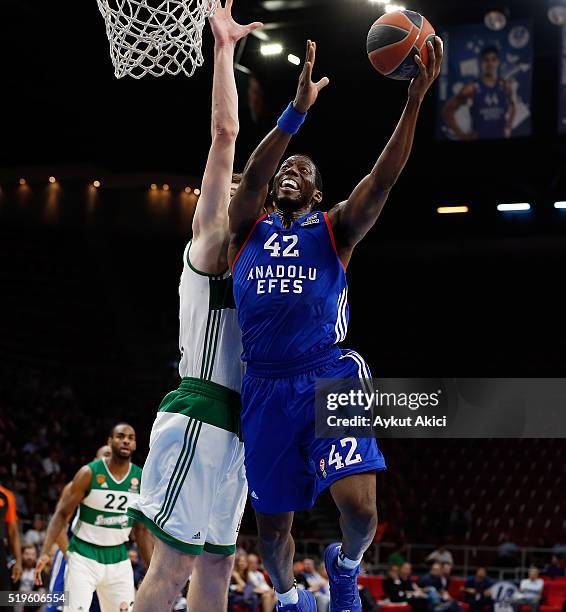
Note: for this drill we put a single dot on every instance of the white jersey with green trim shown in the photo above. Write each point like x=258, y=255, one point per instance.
x=102, y=518
x=209, y=337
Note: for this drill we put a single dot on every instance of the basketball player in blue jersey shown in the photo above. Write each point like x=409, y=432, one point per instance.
x=492, y=102
x=290, y=289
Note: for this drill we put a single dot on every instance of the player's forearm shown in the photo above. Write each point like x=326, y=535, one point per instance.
x=264, y=161
x=56, y=525
x=62, y=541
x=250, y=197
x=210, y=220
x=449, y=116
x=396, y=153
x=224, y=94
x=144, y=540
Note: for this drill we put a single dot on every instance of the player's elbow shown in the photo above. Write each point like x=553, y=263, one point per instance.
x=225, y=132
x=381, y=186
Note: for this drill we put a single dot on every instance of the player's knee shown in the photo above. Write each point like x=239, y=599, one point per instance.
x=171, y=569
x=217, y=565
x=272, y=535
x=362, y=517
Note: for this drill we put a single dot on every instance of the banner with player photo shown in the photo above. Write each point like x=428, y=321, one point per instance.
x=485, y=86
x=562, y=109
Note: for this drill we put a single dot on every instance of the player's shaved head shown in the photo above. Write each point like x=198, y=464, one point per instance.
x=103, y=452
x=119, y=425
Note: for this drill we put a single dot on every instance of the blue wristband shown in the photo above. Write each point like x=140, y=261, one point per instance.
x=291, y=120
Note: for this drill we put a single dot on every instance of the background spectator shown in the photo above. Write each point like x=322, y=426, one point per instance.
x=317, y=584
x=391, y=584
x=27, y=580
x=397, y=557
x=445, y=572
x=36, y=535
x=433, y=585
x=507, y=552
x=530, y=591
x=257, y=578
x=441, y=555
x=242, y=590
x=414, y=595
x=299, y=574
x=554, y=569
x=476, y=591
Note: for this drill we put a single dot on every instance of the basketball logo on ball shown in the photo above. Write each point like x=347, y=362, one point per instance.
x=394, y=40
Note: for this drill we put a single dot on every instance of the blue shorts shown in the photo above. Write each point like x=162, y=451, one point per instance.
x=57, y=582
x=57, y=579
x=287, y=467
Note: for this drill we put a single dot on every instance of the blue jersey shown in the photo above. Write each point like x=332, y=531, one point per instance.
x=290, y=290
x=489, y=109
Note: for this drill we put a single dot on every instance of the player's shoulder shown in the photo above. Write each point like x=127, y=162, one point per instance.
x=136, y=470
x=95, y=466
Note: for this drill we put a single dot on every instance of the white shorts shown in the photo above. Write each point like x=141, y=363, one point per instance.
x=113, y=583
x=193, y=489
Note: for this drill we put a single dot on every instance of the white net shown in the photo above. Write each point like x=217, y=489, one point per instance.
x=155, y=37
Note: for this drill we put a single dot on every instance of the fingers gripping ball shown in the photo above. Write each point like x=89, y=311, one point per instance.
x=394, y=40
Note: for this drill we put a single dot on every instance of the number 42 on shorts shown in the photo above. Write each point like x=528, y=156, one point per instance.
x=350, y=445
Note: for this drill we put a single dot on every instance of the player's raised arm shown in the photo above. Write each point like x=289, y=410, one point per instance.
x=210, y=223
x=67, y=504
x=249, y=199
x=353, y=218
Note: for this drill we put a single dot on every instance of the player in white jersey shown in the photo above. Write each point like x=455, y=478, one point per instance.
x=97, y=558
x=58, y=560
x=194, y=488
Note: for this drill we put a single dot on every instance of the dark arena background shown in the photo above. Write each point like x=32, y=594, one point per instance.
x=99, y=180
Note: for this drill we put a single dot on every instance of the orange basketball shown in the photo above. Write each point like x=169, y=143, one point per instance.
x=394, y=40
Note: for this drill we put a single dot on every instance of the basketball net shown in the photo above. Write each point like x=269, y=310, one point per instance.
x=155, y=37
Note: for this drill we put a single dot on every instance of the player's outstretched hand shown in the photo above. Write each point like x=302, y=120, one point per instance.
x=39, y=567
x=307, y=90
x=226, y=31
x=427, y=74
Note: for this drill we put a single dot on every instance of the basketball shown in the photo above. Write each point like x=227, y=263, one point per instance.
x=393, y=41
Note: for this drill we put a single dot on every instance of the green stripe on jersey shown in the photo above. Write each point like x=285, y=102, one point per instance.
x=221, y=297
x=180, y=472
x=103, y=554
x=102, y=518
x=179, y=466
x=205, y=401
x=189, y=549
